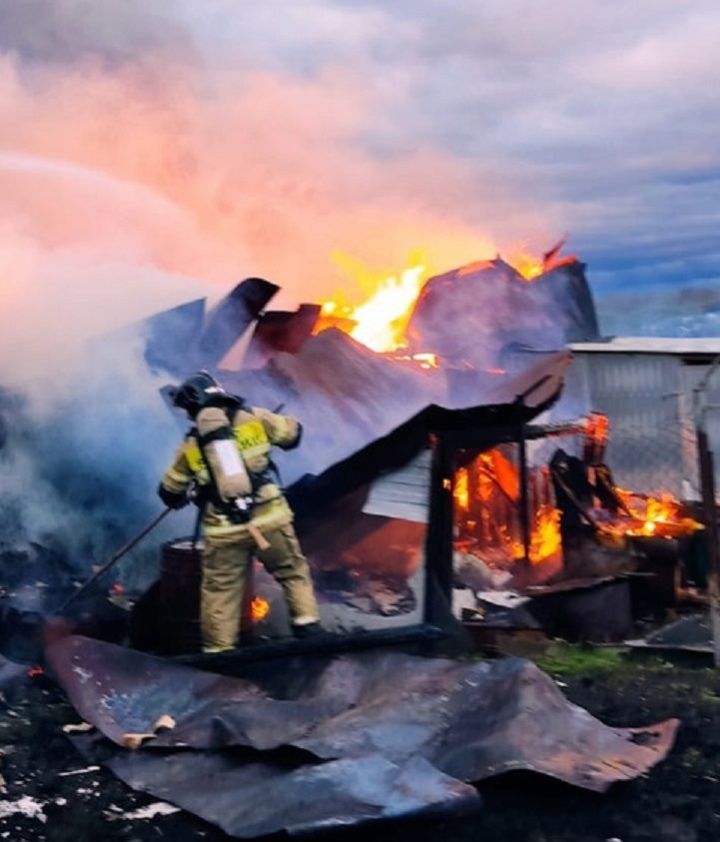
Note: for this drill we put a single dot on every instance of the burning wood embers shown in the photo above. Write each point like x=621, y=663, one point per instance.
x=580, y=527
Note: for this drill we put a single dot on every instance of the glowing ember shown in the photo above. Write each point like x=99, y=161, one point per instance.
x=259, y=609
x=426, y=360
x=33, y=672
x=663, y=516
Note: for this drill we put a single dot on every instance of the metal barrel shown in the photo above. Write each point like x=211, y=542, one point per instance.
x=180, y=576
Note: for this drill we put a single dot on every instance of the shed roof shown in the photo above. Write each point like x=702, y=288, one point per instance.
x=516, y=402
x=683, y=346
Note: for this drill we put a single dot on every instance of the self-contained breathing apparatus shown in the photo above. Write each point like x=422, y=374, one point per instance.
x=232, y=488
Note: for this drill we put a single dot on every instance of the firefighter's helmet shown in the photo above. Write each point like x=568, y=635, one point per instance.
x=195, y=392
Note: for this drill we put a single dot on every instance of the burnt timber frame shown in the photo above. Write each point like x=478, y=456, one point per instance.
x=446, y=443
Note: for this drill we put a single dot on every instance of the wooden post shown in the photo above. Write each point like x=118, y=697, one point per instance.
x=707, y=485
x=524, y=497
x=439, y=538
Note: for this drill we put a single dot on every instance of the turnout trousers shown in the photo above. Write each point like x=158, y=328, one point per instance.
x=225, y=566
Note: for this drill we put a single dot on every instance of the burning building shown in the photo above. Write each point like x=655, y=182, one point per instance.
x=432, y=466
x=433, y=418
x=378, y=514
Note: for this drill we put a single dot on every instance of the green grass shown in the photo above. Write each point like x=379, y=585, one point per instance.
x=576, y=659
x=709, y=697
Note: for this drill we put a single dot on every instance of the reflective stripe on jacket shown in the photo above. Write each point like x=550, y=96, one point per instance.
x=255, y=430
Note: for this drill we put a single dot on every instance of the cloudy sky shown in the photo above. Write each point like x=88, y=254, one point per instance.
x=153, y=149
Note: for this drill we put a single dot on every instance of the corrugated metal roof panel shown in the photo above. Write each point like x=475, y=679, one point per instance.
x=651, y=345
x=404, y=493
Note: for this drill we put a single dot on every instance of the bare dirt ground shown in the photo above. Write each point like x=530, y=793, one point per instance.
x=679, y=801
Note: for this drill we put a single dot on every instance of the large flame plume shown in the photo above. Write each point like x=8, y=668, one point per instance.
x=171, y=170
x=379, y=322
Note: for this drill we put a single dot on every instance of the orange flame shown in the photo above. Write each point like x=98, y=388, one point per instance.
x=531, y=267
x=461, y=489
x=380, y=321
x=545, y=537
x=528, y=266
x=663, y=516
x=494, y=478
x=259, y=609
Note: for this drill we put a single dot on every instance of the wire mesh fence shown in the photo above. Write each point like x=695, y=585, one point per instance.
x=652, y=400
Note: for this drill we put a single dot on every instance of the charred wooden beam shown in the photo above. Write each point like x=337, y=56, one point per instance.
x=524, y=495
x=439, y=544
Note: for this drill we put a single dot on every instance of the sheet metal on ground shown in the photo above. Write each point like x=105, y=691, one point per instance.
x=691, y=635
x=248, y=798
x=336, y=741
x=10, y=672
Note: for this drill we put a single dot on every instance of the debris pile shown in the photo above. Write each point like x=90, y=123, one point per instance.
x=380, y=734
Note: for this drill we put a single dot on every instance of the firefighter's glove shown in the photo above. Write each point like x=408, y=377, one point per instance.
x=173, y=499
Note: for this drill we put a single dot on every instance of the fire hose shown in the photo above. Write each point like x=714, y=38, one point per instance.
x=255, y=533
x=124, y=550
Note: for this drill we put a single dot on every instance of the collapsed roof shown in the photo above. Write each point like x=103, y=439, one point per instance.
x=484, y=323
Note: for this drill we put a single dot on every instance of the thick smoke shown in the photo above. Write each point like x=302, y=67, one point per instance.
x=140, y=168
x=80, y=456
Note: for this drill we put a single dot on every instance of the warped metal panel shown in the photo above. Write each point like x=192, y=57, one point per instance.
x=249, y=799
x=381, y=734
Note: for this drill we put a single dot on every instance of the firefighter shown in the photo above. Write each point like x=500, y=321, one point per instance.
x=226, y=457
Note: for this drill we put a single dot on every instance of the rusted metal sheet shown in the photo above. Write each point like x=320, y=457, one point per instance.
x=429, y=725
x=10, y=672
x=249, y=799
x=501, y=314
